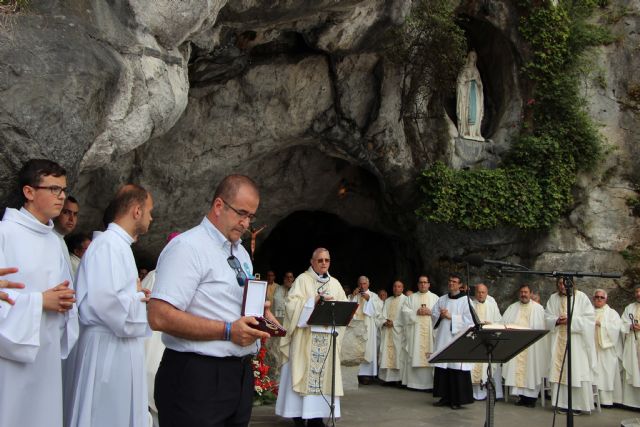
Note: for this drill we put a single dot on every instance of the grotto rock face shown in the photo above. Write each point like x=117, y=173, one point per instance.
x=302, y=98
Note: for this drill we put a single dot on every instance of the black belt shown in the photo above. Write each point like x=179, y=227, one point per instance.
x=242, y=359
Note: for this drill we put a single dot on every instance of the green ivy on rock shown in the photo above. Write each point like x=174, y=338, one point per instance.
x=532, y=187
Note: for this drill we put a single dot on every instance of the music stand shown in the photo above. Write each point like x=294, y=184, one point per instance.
x=488, y=345
x=333, y=314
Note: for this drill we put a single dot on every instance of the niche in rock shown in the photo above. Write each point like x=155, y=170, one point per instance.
x=355, y=251
x=498, y=69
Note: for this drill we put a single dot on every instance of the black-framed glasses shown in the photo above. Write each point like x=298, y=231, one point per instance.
x=56, y=190
x=241, y=213
x=241, y=276
x=598, y=297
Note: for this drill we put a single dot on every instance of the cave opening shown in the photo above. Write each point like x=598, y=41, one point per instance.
x=354, y=250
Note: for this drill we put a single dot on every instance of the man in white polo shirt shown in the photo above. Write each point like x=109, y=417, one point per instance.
x=205, y=376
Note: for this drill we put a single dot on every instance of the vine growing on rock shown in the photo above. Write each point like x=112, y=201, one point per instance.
x=532, y=187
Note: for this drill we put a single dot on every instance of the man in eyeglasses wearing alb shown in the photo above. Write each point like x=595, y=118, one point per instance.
x=608, y=350
x=205, y=376
x=305, y=376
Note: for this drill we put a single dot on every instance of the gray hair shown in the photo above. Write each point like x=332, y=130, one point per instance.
x=601, y=290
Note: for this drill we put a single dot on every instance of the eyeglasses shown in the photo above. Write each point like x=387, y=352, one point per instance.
x=598, y=297
x=323, y=260
x=241, y=213
x=56, y=190
x=234, y=263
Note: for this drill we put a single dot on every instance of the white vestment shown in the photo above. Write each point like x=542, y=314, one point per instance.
x=305, y=377
x=278, y=307
x=631, y=357
x=488, y=312
x=32, y=341
x=446, y=329
x=75, y=264
x=153, y=351
x=107, y=385
x=392, y=355
x=524, y=373
x=583, y=351
x=370, y=312
x=419, y=341
x=608, y=351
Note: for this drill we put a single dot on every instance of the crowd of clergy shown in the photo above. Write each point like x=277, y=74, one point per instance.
x=406, y=328
x=115, y=351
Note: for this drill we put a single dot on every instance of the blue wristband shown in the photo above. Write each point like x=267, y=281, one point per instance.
x=227, y=331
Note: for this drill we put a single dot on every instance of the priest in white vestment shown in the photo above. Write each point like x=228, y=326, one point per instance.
x=107, y=385
x=416, y=313
x=305, y=376
x=488, y=313
x=583, y=351
x=370, y=312
x=451, y=315
x=631, y=353
x=278, y=306
x=524, y=373
x=608, y=350
x=41, y=326
x=392, y=353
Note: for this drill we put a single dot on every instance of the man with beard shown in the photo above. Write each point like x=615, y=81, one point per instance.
x=524, y=373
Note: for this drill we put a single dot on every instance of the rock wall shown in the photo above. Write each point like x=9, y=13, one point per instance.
x=302, y=98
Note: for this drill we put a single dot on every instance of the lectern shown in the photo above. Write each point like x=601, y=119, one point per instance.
x=488, y=344
x=332, y=314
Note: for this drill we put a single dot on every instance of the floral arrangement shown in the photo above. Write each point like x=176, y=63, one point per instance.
x=265, y=390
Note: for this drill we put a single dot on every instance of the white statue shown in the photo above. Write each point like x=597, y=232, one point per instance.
x=470, y=100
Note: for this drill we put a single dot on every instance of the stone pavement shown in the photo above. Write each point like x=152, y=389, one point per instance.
x=375, y=405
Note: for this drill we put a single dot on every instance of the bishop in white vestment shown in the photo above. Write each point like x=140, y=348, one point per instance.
x=583, y=352
x=392, y=355
x=631, y=353
x=524, y=373
x=305, y=377
x=608, y=350
x=488, y=312
x=416, y=312
x=106, y=384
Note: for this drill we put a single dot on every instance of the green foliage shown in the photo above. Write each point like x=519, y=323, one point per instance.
x=634, y=205
x=12, y=6
x=430, y=47
x=532, y=188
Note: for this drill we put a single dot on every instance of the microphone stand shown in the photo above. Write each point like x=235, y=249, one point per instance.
x=567, y=278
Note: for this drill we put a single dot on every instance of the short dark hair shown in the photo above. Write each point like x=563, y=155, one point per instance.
x=34, y=170
x=229, y=186
x=525, y=285
x=456, y=276
x=72, y=200
x=126, y=197
x=74, y=241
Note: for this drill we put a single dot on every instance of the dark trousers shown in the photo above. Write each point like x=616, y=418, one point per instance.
x=192, y=390
x=453, y=386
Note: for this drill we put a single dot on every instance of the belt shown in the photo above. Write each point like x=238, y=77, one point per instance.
x=241, y=359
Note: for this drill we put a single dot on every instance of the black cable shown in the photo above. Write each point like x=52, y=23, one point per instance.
x=564, y=358
x=326, y=356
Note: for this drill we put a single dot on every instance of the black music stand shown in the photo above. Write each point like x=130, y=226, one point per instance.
x=333, y=314
x=488, y=345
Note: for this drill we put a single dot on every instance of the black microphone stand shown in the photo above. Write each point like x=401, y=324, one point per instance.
x=567, y=278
